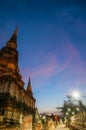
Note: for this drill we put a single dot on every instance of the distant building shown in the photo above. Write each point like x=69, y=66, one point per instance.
x=14, y=98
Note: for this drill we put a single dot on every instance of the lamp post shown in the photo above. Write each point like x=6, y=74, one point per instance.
x=81, y=108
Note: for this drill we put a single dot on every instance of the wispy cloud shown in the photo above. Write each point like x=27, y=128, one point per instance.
x=65, y=61
x=43, y=70
x=52, y=65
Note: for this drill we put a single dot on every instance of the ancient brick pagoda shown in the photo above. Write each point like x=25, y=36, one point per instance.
x=14, y=98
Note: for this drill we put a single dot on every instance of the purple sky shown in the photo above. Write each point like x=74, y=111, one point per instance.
x=51, y=45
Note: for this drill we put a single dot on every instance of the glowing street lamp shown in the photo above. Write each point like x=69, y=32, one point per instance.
x=77, y=109
x=75, y=94
x=69, y=109
x=73, y=113
x=67, y=113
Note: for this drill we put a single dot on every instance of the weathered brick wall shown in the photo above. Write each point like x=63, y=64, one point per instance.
x=9, y=128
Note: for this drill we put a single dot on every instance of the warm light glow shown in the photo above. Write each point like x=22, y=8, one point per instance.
x=73, y=113
x=43, y=117
x=77, y=109
x=69, y=109
x=66, y=113
x=75, y=94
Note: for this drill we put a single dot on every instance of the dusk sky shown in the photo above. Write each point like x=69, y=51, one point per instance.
x=51, y=45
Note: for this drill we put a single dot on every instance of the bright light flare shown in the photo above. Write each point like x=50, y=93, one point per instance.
x=75, y=94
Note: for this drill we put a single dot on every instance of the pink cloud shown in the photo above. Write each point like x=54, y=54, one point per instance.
x=70, y=54
x=73, y=66
x=51, y=65
x=43, y=70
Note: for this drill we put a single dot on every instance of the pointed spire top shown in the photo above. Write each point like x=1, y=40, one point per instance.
x=16, y=30
x=13, y=40
x=29, y=82
x=29, y=88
